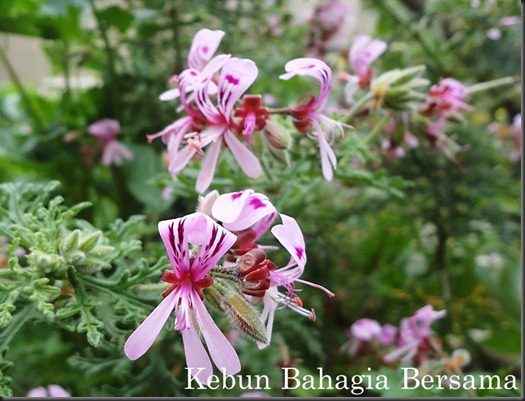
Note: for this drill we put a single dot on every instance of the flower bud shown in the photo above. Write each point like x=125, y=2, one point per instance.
x=70, y=242
x=89, y=241
x=206, y=202
x=397, y=89
x=277, y=136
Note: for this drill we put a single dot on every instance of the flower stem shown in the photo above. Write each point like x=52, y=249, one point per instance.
x=357, y=107
x=282, y=110
x=30, y=107
x=492, y=84
x=377, y=129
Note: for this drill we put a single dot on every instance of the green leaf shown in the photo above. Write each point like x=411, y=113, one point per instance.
x=117, y=17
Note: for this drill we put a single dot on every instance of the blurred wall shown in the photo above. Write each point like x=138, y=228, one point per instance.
x=27, y=57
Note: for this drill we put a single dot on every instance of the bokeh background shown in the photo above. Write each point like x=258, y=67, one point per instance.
x=388, y=235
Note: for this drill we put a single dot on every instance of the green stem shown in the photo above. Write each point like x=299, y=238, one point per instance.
x=377, y=129
x=357, y=107
x=492, y=84
x=407, y=26
x=282, y=110
x=111, y=78
x=31, y=109
x=441, y=265
x=19, y=320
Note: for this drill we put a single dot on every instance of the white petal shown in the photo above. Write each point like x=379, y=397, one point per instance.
x=228, y=207
x=328, y=160
x=143, y=337
x=246, y=159
x=221, y=351
x=170, y=94
x=290, y=236
x=208, y=166
x=196, y=356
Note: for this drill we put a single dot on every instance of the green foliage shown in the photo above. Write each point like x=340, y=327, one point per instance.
x=389, y=234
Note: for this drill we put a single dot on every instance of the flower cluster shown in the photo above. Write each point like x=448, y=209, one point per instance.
x=195, y=245
x=209, y=91
x=445, y=101
x=413, y=342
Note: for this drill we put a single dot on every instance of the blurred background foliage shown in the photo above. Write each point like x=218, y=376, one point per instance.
x=387, y=236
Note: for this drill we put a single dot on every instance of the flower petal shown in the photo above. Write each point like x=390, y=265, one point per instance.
x=221, y=351
x=263, y=225
x=196, y=356
x=114, y=152
x=328, y=160
x=364, y=52
x=57, y=391
x=267, y=315
x=105, y=128
x=256, y=207
x=314, y=68
x=202, y=91
x=37, y=392
x=214, y=242
x=143, y=337
x=208, y=166
x=170, y=94
x=173, y=234
x=204, y=44
x=228, y=207
x=290, y=236
x=246, y=159
x=178, y=159
x=236, y=77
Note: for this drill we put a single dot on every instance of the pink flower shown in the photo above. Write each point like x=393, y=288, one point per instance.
x=243, y=211
x=255, y=394
x=307, y=117
x=250, y=212
x=235, y=78
x=106, y=131
x=365, y=329
x=209, y=125
x=363, y=53
x=331, y=15
x=415, y=335
x=188, y=278
x=53, y=391
x=418, y=325
x=203, y=47
x=388, y=334
x=447, y=96
x=510, y=20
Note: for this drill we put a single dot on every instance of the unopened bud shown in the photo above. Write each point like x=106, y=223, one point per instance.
x=243, y=316
x=397, y=89
x=70, y=242
x=90, y=241
x=277, y=136
x=206, y=202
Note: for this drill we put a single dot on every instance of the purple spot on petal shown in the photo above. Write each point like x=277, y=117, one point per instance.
x=204, y=49
x=236, y=195
x=193, y=73
x=232, y=80
x=299, y=252
x=256, y=203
